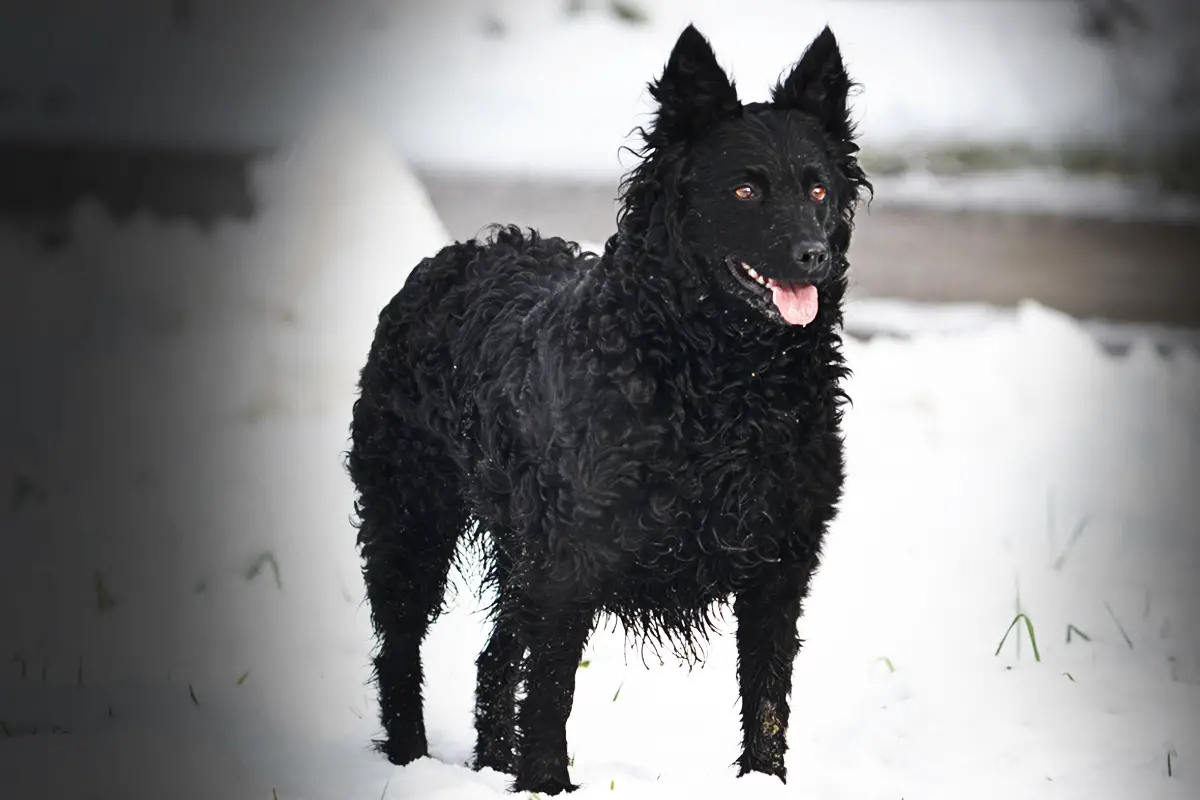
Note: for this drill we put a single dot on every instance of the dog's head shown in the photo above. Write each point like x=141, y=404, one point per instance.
x=759, y=198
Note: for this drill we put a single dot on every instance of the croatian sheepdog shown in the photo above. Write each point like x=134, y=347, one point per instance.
x=652, y=433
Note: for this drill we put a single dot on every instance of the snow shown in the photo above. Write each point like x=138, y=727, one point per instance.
x=1029, y=190
x=196, y=401
x=931, y=74
x=872, y=316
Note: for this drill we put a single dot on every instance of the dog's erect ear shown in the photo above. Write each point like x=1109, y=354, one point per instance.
x=693, y=92
x=819, y=85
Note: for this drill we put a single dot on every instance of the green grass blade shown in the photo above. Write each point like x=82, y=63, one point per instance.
x=1071, y=629
x=1120, y=627
x=1080, y=527
x=627, y=12
x=267, y=559
x=1037, y=655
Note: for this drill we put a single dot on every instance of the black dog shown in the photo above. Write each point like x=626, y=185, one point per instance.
x=645, y=433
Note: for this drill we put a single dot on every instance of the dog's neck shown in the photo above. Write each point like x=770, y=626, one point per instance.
x=646, y=268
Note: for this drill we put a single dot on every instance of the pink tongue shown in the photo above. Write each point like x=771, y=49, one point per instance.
x=796, y=304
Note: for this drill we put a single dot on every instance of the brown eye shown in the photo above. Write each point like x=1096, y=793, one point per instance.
x=817, y=194
x=744, y=192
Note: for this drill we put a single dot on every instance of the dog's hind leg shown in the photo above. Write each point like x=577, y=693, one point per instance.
x=767, y=644
x=411, y=515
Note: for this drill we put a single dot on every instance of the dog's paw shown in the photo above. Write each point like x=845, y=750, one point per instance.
x=546, y=786
x=747, y=765
x=402, y=752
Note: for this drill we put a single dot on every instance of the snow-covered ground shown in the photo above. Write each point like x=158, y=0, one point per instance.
x=184, y=612
x=1038, y=190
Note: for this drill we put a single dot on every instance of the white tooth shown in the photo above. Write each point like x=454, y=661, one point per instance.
x=753, y=274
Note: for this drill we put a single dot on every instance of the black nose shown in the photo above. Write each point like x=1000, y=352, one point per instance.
x=811, y=255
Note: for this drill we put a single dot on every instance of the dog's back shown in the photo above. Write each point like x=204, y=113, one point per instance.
x=456, y=307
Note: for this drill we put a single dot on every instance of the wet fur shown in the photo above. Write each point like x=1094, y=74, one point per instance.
x=626, y=434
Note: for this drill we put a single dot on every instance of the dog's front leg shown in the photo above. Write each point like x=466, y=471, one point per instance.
x=556, y=638
x=767, y=643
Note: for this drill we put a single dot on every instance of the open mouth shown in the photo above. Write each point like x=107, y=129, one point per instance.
x=797, y=303
x=749, y=277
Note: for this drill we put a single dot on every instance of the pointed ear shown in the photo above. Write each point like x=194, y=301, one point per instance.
x=693, y=92
x=818, y=85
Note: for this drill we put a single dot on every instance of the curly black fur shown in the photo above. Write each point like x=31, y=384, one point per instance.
x=638, y=433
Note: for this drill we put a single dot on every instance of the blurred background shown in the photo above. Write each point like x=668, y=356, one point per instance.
x=1040, y=149
x=204, y=204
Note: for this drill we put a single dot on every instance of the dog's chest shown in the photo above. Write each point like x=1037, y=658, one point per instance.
x=744, y=412
x=740, y=448
x=742, y=458
x=740, y=486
